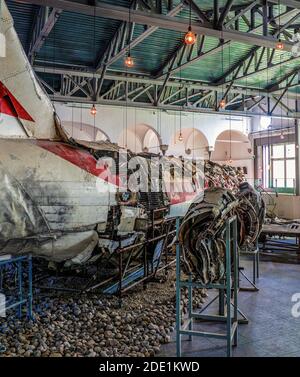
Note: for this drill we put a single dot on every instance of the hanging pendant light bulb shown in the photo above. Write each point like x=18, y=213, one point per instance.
x=93, y=110
x=222, y=103
x=129, y=63
x=279, y=45
x=180, y=137
x=190, y=37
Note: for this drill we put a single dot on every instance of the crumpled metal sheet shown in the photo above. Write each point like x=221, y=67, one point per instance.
x=251, y=215
x=72, y=248
x=202, y=232
x=23, y=229
x=19, y=216
x=225, y=176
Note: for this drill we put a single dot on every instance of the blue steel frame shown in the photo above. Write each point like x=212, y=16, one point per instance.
x=255, y=269
x=28, y=299
x=231, y=317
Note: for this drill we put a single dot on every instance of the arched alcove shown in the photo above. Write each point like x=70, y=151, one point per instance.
x=193, y=144
x=241, y=154
x=140, y=137
x=232, y=145
x=84, y=131
x=129, y=139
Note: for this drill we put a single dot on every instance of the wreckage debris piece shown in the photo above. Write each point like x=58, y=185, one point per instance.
x=202, y=232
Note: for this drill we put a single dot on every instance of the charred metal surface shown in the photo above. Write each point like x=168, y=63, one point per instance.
x=202, y=232
x=20, y=217
x=225, y=176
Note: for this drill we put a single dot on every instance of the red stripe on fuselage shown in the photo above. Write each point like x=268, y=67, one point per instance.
x=9, y=105
x=80, y=158
x=85, y=161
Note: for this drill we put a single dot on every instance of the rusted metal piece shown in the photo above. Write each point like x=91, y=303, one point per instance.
x=203, y=229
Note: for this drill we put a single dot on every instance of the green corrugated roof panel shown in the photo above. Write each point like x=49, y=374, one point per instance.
x=77, y=39
x=211, y=67
x=23, y=15
x=268, y=76
x=153, y=51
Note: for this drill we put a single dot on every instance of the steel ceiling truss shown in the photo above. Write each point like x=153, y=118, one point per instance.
x=261, y=26
x=119, y=44
x=45, y=20
x=80, y=87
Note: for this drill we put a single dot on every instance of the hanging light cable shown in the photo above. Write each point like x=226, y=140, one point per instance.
x=93, y=108
x=230, y=140
x=281, y=130
x=81, y=116
x=126, y=119
x=180, y=137
x=222, y=103
x=230, y=134
x=193, y=135
x=135, y=130
x=190, y=37
x=279, y=44
x=129, y=63
x=72, y=121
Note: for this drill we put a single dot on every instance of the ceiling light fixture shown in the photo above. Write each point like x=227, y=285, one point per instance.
x=222, y=103
x=129, y=63
x=190, y=37
x=279, y=45
x=93, y=110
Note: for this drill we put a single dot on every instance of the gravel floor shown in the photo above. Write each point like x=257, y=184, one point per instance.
x=94, y=325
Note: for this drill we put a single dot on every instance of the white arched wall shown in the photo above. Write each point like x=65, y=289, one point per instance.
x=152, y=141
x=150, y=127
x=83, y=131
x=234, y=148
x=194, y=144
x=129, y=139
x=112, y=121
x=140, y=136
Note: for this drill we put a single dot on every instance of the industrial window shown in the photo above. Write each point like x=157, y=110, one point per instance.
x=282, y=166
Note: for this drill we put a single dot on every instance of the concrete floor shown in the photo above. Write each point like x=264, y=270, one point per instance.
x=272, y=330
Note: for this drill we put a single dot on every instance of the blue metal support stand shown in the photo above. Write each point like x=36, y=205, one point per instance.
x=255, y=269
x=228, y=308
x=24, y=295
